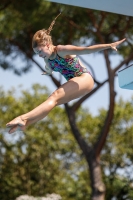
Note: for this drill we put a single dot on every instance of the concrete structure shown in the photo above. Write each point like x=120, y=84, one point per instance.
x=125, y=77
x=123, y=7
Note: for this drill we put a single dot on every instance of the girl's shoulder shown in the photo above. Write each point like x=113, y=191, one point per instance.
x=60, y=47
x=62, y=50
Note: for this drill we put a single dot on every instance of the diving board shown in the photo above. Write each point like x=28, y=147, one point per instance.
x=125, y=78
x=123, y=7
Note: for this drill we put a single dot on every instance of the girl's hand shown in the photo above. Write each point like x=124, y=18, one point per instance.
x=46, y=73
x=16, y=124
x=115, y=44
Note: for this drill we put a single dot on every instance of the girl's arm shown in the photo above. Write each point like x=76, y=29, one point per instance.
x=64, y=50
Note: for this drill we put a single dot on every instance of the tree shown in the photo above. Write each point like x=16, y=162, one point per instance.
x=46, y=159
x=101, y=27
x=118, y=159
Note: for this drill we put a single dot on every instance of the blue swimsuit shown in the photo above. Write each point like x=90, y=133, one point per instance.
x=68, y=67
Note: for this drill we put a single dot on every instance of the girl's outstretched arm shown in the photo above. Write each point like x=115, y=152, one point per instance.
x=64, y=50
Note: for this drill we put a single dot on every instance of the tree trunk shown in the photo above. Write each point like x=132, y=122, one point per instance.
x=97, y=185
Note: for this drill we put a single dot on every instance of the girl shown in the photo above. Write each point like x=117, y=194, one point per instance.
x=64, y=59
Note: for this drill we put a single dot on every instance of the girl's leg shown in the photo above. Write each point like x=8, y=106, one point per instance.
x=72, y=89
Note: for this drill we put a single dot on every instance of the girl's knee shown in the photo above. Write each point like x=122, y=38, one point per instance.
x=53, y=98
x=56, y=96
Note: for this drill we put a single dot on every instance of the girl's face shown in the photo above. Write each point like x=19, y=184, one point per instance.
x=43, y=51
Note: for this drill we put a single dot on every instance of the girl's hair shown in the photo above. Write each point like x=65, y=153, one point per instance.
x=42, y=37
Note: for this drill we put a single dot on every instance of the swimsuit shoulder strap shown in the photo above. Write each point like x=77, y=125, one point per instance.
x=57, y=55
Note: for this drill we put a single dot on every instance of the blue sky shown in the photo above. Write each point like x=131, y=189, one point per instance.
x=97, y=101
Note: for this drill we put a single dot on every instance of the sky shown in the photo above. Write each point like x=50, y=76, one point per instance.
x=94, y=103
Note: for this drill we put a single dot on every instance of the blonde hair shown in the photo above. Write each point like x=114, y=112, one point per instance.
x=42, y=37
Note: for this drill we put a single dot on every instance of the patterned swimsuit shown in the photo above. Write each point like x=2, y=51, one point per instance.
x=68, y=67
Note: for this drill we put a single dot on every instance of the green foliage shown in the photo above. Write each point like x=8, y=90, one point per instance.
x=46, y=159
x=117, y=156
